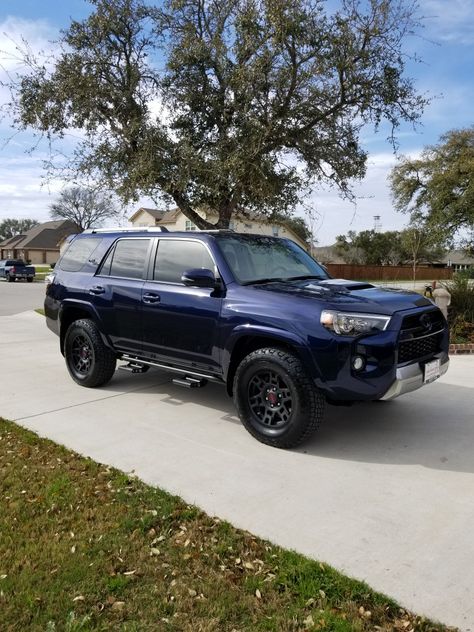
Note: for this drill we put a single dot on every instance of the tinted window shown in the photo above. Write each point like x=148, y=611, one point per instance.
x=128, y=259
x=78, y=253
x=176, y=256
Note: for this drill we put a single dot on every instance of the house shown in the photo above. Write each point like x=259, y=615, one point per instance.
x=458, y=260
x=39, y=245
x=176, y=220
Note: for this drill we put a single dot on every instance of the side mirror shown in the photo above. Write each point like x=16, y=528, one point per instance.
x=51, y=265
x=199, y=277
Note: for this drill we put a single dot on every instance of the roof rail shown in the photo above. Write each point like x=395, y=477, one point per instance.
x=131, y=229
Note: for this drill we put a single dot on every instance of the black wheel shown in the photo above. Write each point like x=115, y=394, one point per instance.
x=275, y=398
x=10, y=278
x=89, y=362
x=30, y=279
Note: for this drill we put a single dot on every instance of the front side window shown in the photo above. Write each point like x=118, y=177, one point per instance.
x=127, y=259
x=174, y=256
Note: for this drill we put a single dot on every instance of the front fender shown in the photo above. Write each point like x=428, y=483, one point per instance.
x=268, y=335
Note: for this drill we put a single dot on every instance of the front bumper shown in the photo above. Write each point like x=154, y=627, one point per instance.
x=410, y=377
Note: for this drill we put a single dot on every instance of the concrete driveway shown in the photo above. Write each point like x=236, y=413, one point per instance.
x=384, y=492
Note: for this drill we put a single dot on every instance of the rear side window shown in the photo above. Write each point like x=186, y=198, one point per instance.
x=176, y=255
x=78, y=253
x=127, y=259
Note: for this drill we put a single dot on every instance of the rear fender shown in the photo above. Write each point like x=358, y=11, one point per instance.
x=71, y=310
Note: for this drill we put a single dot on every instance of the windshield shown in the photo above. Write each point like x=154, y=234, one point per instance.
x=257, y=258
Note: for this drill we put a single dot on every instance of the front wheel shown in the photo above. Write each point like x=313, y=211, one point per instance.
x=89, y=362
x=276, y=399
x=30, y=279
x=10, y=278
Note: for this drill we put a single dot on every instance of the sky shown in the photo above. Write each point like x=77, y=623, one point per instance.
x=445, y=45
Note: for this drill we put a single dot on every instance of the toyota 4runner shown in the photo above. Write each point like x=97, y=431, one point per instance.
x=252, y=312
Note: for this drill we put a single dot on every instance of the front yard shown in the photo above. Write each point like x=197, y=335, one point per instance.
x=86, y=547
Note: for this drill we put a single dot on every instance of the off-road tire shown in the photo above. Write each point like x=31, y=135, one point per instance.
x=296, y=400
x=89, y=361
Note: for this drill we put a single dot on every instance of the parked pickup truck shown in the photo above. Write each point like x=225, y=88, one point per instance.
x=13, y=269
x=254, y=313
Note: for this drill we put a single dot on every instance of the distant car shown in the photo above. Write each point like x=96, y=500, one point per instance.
x=13, y=269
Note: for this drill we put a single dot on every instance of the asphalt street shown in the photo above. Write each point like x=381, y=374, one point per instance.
x=383, y=492
x=20, y=296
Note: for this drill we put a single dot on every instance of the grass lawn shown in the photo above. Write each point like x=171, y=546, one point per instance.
x=86, y=547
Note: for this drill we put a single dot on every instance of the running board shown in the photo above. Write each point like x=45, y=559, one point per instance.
x=134, y=367
x=189, y=382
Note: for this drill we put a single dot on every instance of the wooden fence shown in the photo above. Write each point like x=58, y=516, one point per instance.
x=387, y=273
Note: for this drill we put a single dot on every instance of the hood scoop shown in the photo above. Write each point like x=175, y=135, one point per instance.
x=345, y=284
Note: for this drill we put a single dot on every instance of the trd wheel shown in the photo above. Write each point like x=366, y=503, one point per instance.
x=275, y=398
x=90, y=363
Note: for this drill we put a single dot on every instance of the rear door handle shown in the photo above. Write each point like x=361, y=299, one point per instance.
x=150, y=297
x=97, y=289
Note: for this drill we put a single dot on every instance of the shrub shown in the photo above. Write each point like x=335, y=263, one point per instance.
x=461, y=311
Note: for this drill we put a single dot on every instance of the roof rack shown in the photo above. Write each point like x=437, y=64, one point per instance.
x=131, y=229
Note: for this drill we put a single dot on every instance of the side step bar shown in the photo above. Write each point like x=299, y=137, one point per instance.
x=189, y=382
x=185, y=373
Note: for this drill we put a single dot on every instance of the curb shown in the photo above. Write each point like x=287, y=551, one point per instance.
x=461, y=348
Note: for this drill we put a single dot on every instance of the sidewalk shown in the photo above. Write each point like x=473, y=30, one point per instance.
x=384, y=492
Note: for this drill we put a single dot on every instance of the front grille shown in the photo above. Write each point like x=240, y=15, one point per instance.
x=421, y=335
x=418, y=348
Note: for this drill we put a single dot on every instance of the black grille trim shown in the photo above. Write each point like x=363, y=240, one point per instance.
x=421, y=336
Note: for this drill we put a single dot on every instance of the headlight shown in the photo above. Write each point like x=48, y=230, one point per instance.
x=346, y=324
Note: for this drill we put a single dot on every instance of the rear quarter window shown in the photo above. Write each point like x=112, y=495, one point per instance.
x=78, y=253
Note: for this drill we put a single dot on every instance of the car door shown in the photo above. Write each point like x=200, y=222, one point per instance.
x=180, y=323
x=116, y=291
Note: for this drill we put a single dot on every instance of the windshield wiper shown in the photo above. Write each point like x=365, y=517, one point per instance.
x=261, y=281
x=303, y=277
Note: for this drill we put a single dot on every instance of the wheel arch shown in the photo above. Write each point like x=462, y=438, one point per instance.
x=245, y=343
x=71, y=312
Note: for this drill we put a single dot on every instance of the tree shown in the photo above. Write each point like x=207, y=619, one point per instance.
x=370, y=247
x=257, y=99
x=438, y=187
x=420, y=243
x=11, y=227
x=85, y=207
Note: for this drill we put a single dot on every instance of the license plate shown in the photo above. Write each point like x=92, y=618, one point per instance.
x=432, y=371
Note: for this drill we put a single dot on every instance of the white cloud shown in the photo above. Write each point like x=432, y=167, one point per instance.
x=338, y=216
x=450, y=21
x=22, y=192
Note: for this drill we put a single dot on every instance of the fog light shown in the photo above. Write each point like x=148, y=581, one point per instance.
x=358, y=363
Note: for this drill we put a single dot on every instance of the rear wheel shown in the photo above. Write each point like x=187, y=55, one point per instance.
x=30, y=279
x=10, y=278
x=276, y=399
x=90, y=363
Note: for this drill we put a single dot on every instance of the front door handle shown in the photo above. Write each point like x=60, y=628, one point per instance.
x=97, y=289
x=150, y=297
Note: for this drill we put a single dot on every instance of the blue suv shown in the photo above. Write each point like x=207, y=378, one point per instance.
x=252, y=312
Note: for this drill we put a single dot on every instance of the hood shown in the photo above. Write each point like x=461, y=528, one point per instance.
x=351, y=295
